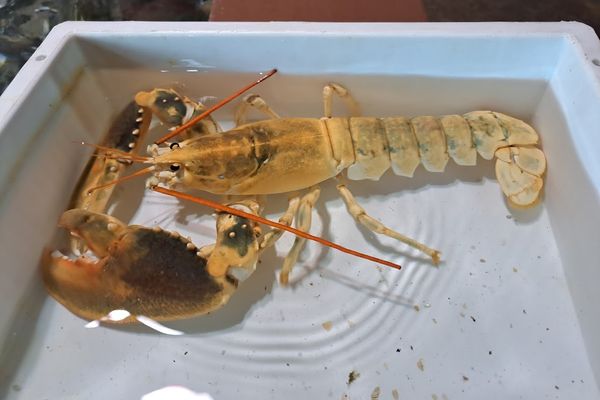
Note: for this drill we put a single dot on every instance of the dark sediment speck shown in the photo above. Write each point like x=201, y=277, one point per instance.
x=352, y=376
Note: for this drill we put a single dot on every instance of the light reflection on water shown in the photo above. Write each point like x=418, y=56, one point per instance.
x=120, y=315
x=175, y=393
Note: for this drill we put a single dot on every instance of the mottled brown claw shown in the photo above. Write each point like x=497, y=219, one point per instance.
x=146, y=271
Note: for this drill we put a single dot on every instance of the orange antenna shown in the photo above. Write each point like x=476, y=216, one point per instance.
x=141, y=172
x=220, y=104
x=274, y=224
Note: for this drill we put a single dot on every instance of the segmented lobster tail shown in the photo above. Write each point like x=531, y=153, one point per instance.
x=404, y=143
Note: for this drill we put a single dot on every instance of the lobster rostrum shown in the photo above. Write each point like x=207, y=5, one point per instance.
x=276, y=155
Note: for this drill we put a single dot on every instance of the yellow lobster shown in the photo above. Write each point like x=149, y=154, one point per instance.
x=276, y=155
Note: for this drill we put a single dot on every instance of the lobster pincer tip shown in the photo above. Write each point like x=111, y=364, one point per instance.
x=98, y=231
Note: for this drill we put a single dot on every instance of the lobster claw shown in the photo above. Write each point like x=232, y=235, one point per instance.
x=147, y=271
x=125, y=134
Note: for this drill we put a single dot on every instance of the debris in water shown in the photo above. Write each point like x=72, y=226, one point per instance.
x=420, y=364
x=395, y=394
x=352, y=376
x=417, y=308
x=375, y=393
x=327, y=325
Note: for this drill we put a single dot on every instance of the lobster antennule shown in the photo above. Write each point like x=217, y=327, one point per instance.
x=116, y=154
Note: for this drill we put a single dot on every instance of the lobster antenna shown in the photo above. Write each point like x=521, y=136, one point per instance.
x=273, y=224
x=220, y=104
x=141, y=172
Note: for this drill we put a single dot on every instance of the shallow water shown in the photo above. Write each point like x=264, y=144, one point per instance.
x=495, y=317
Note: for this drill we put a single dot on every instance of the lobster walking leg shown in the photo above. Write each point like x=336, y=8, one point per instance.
x=271, y=237
x=333, y=88
x=303, y=222
x=373, y=225
x=254, y=101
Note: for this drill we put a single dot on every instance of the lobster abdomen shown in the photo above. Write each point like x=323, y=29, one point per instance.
x=402, y=143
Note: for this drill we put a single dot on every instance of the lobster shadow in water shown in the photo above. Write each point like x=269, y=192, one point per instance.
x=390, y=185
x=255, y=289
x=229, y=317
x=259, y=286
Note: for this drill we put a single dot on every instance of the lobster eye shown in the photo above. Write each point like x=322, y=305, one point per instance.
x=175, y=167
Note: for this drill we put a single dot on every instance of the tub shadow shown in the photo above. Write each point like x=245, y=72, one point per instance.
x=24, y=322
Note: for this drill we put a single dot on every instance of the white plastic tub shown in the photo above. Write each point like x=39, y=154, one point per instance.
x=512, y=312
